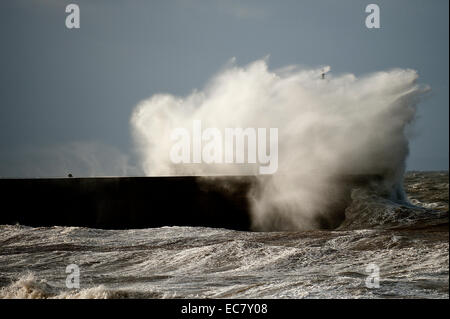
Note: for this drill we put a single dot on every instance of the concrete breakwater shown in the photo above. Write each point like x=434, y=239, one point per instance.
x=132, y=202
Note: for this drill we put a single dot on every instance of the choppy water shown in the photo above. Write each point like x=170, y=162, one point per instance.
x=409, y=244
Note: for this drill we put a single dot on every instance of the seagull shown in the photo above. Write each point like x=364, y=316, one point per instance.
x=325, y=70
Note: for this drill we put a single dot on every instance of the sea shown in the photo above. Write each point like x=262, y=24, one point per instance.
x=383, y=249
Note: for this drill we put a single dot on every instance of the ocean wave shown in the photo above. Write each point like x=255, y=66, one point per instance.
x=369, y=210
x=29, y=286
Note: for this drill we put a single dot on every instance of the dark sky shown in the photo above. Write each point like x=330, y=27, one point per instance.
x=63, y=90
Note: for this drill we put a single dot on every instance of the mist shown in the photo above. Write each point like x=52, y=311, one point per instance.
x=78, y=158
x=328, y=126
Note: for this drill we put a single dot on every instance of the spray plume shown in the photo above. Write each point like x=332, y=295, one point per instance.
x=337, y=126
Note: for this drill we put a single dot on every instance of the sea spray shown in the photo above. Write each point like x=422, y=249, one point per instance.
x=328, y=126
